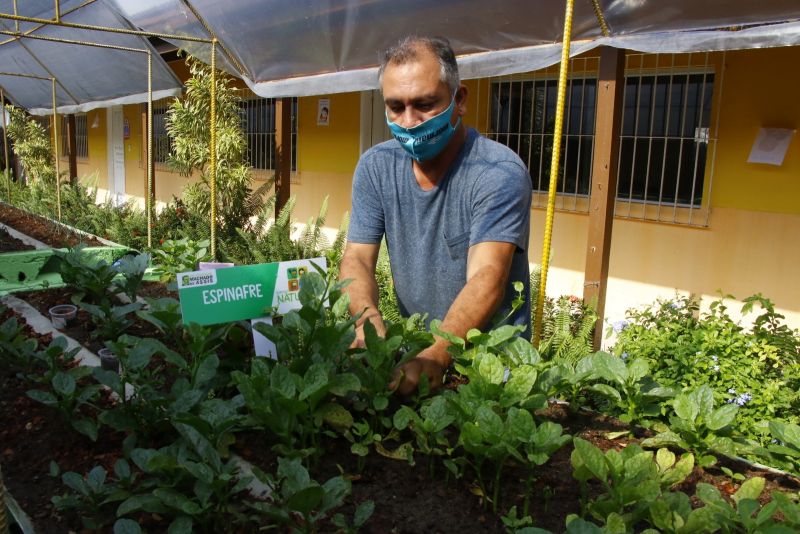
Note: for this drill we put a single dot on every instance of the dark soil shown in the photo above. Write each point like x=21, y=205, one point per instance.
x=44, y=230
x=11, y=244
x=81, y=328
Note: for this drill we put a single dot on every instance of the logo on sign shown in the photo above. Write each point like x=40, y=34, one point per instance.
x=293, y=275
x=196, y=279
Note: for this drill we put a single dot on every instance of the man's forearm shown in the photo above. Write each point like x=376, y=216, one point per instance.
x=363, y=290
x=475, y=304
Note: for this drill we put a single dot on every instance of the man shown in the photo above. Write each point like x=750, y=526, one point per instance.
x=453, y=205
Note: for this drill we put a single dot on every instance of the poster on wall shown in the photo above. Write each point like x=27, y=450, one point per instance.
x=770, y=146
x=323, y=111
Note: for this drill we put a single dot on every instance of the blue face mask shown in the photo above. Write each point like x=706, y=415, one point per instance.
x=425, y=141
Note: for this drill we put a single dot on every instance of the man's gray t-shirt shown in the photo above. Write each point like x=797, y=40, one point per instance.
x=485, y=196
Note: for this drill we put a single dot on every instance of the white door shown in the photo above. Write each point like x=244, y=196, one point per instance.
x=373, y=120
x=116, y=154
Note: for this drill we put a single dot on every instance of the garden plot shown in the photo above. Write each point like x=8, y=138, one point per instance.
x=494, y=452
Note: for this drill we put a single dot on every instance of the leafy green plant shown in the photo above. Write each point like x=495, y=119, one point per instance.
x=32, y=146
x=757, y=370
x=92, y=496
x=15, y=347
x=742, y=513
x=697, y=426
x=632, y=479
x=132, y=268
x=630, y=389
x=784, y=448
x=110, y=321
x=299, y=503
x=68, y=393
x=91, y=277
x=178, y=256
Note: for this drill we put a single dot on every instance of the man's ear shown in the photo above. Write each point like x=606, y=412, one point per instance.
x=461, y=100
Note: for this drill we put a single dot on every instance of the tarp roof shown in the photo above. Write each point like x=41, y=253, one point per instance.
x=88, y=77
x=306, y=47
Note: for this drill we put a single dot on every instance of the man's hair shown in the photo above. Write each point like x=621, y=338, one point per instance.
x=407, y=50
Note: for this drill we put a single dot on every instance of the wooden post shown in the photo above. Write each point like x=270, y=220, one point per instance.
x=72, y=149
x=611, y=83
x=283, y=151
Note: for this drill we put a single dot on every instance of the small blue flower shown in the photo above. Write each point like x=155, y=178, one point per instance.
x=619, y=326
x=624, y=356
x=677, y=305
x=714, y=358
x=715, y=368
x=743, y=399
x=732, y=391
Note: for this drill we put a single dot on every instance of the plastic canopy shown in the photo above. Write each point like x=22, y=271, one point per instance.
x=87, y=77
x=307, y=47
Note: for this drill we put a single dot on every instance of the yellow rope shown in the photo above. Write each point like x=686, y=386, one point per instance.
x=551, y=200
x=149, y=193
x=598, y=11
x=5, y=144
x=213, y=149
x=55, y=153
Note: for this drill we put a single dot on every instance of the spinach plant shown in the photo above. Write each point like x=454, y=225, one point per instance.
x=92, y=497
x=178, y=256
x=631, y=478
x=784, y=449
x=697, y=426
x=299, y=503
x=132, y=268
x=630, y=388
x=68, y=394
x=89, y=276
x=110, y=321
x=15, y=347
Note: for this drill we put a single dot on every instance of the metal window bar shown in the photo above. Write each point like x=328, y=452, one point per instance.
x=521, y=114
x=162, y=142
x=258, y=123
x=81, y=136
x=664, y=148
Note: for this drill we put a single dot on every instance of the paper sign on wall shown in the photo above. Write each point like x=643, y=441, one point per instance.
x=770, y=146
x=246, y=292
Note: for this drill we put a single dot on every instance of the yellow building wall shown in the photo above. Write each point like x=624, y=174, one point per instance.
x=750, y=244
x=326, y=157
x=760, y=91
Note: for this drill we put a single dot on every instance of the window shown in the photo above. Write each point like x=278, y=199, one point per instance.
x=257, y=120
x=523, y=117
x=162, y=142
x=81, y=136
x=258, y=123
x=664, y=139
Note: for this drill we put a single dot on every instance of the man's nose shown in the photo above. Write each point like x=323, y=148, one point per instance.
x=410, y=118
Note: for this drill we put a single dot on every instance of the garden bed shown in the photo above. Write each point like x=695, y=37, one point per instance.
x=410, y=494
x=408, y=498
x=47, y=231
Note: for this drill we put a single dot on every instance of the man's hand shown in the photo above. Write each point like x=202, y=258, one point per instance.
x=376, y=320
x=432, y=362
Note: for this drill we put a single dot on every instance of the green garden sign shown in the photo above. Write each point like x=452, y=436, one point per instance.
x=245, y=292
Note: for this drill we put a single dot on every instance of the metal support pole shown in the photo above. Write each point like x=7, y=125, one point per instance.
x=150, y=185
x=551, y=200
x=55, y=152
x=6, y=169
x=213, y=149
